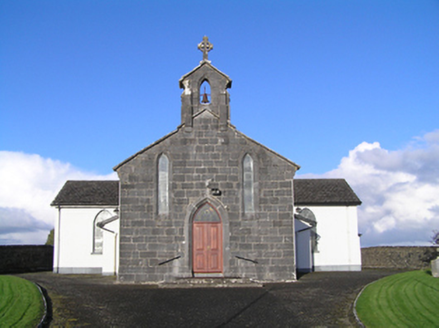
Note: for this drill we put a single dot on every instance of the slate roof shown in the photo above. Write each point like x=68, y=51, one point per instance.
x=306, y=192
x=324, y=192
x=88, y=193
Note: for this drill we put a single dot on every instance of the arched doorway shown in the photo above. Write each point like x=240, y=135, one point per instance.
x=207, y=241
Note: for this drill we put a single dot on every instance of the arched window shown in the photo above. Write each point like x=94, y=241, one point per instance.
x=98, y=236
x=163, y=185
x=248, y=184
x=205, y=92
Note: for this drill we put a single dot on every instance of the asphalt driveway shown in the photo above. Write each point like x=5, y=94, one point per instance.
x=316, y=299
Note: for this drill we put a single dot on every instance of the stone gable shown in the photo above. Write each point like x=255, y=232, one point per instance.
x=204, y=161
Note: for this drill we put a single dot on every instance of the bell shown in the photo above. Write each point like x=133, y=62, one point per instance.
x=205, y=99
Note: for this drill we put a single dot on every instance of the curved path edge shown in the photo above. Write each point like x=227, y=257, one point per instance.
x=357, y=318
x=45, y=320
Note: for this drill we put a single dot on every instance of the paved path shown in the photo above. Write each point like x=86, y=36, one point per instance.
x=317, y=299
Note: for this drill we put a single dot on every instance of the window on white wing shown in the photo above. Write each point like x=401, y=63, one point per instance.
x=98, y=235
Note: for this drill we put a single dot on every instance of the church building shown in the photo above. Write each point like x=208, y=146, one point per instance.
x=206, y=201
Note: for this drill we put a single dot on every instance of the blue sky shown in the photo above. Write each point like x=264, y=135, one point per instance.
x=86, y=84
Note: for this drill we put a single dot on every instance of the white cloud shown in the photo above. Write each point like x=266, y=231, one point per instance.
x=399, y=190
x=29, y=184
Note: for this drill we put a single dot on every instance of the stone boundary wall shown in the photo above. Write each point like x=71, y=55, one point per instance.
x=398, y=257
x=29, y=258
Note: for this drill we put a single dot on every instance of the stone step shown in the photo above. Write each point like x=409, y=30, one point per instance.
x=210, y=283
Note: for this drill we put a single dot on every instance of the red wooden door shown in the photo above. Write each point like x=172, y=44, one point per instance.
x=207, y=241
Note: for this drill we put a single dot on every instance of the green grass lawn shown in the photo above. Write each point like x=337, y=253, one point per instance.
x=409, y=299
x=21, y=304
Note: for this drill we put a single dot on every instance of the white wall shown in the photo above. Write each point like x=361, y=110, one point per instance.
x=74, y=242
x=338, y=248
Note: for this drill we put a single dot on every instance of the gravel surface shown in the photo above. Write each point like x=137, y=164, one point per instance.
x=316, y=299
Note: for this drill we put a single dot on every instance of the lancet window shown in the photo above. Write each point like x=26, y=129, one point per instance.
x=163, y=184
x=248, y=183
x=205, y=93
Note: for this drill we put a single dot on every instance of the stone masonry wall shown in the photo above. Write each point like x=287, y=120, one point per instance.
x=27, y=258
x=158, y=247
x=398, y=257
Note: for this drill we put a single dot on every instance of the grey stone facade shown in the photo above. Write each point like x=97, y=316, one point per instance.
x=206, y=156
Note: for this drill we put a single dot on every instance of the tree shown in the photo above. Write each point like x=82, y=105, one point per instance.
x=50, y=238
x=435, y=237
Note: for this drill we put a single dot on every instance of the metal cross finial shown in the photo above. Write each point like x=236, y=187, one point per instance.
x=205, y=46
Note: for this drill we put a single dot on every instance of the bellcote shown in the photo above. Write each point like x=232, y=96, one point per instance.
x=205, y=88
